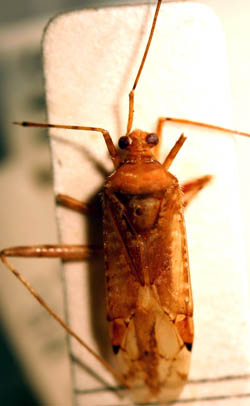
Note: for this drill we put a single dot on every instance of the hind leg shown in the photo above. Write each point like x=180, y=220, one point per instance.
x=193, y=187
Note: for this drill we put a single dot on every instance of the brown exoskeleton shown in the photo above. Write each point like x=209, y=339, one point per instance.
x=148, y=285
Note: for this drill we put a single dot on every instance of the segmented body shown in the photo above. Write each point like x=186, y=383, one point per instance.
x=149, y=299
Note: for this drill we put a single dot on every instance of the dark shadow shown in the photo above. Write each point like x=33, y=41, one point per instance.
x=14, y=387
x=97, y=284
x=86, y=154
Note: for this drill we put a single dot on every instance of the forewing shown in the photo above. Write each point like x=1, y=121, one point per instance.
x=122, y=282
x=167, y=255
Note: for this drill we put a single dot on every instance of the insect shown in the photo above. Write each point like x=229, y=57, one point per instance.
x=131, y=211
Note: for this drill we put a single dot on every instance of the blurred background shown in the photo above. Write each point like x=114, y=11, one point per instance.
x=34, y=369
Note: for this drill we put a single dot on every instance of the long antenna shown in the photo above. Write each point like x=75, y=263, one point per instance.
x=131, y=94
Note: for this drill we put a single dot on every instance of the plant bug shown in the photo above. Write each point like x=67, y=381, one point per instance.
x=60, y=162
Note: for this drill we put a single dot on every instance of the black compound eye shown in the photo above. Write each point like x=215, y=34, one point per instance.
x=124, y=142
x=152, y=139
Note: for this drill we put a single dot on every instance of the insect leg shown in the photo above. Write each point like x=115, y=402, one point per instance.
x=193, y=187
x=63, y=251
x=172, y=154
x=44, y=304
x=74, y=204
